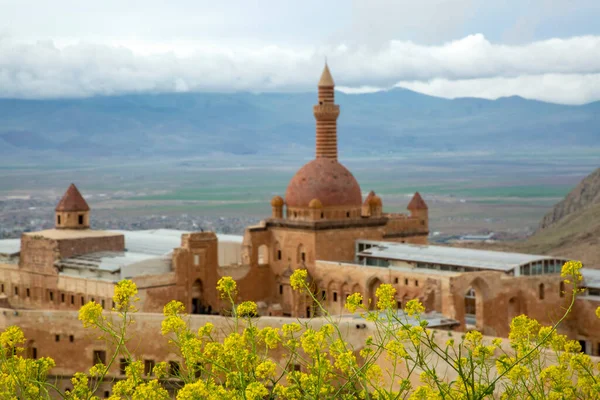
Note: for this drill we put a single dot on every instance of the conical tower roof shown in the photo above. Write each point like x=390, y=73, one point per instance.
x=369, y=197
x=326, y=78
x=417, y=203
x=72, y=201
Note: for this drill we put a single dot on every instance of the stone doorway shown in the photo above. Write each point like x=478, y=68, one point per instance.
x=198, y=305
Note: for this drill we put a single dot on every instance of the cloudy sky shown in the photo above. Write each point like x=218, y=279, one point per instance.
x=541, y=49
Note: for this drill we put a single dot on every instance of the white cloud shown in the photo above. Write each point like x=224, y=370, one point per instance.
x=554, y=88
x=559, y=70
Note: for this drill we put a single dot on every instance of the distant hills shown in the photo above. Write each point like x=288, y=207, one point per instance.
x=192, y=124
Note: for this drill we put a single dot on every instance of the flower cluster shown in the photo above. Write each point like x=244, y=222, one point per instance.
x=125, y=293
x=401, y=359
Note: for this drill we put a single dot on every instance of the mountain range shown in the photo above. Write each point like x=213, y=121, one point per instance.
x=191, y=124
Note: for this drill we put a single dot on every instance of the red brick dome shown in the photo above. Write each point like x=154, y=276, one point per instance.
x=324, y=179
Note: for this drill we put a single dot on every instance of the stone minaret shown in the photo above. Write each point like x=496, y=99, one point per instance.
x=326, y=114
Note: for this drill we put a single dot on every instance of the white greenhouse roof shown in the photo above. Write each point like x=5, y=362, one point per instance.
x=162, y=241
x=483, y=259
x=591, y=277
x=104, y=261
x=10, y=246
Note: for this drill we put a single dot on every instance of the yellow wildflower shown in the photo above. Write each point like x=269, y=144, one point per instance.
x=125, y=294
x=354, y=301
x=90, y=313
x=571, y=269
x=173, y=307
x=227, y=287
x=247, y=309
x=385, y=296
x=256, y=391
x=413, y=307
x=265, y=370
x=206, y=330
x=11, y=337
x=298, y=279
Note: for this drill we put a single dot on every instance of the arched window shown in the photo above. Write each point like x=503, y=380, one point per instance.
x=541, y=291
x=263, y=254
x=562, y=289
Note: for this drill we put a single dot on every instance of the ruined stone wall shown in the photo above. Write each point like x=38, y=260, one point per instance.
x=75, y=247
x=406, y=229
x=335, y=281
x=39, y=253
x=339, y=244
x=583, y=325
x=60, y=335
x=500, y=298
x=155, y=291
x=28, y=290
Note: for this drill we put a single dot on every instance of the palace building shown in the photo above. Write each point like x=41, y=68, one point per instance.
x=323, y=223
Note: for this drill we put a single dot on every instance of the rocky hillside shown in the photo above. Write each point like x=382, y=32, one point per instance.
x=586, y=194
x=571, y=229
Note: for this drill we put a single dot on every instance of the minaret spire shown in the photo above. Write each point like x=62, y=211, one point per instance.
x=326, y=114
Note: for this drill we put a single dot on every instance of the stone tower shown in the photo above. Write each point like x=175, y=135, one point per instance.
x=326, y=113
x=419, y=209
x=72, y=212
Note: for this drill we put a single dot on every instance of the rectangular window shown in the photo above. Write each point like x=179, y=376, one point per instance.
x=335, y=296
x=62, y=297
x=99, y=357
x=2, y=288
x=148, y=367
x=174, y=368
x=58, y=219
x=71, y=338
x=72, y=299
x=196, y=259
x=395, y=280
x=102, y=303
x=34, y=353
x=406, y=281
x=106, y=394
x=303, y=257
x=51, y=295
x=280, y=289
x=279, y=254
x=122, y=365
x=16, y=290
x=81, y=220
x=57, y=338
x=417, y=283
x=28, y=293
